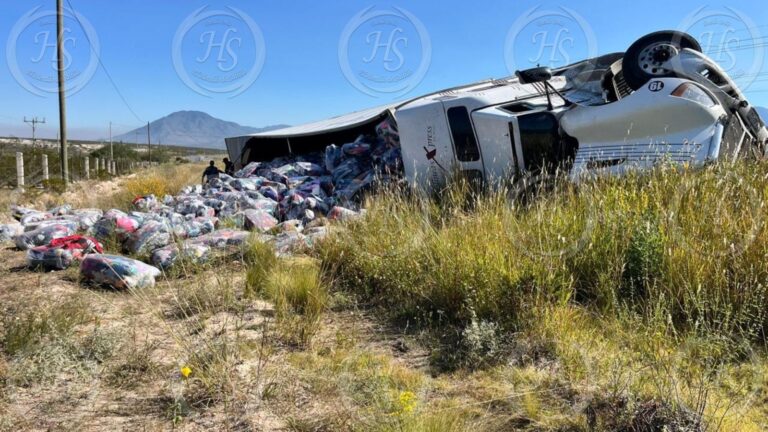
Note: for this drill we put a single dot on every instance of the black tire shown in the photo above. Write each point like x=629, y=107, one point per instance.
x=638, y=69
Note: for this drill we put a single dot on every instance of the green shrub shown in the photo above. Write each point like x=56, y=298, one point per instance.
x=261, y=259
x=300, y=297
x=689, y=244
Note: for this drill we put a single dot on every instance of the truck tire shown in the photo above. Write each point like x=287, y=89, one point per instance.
x=644, y=58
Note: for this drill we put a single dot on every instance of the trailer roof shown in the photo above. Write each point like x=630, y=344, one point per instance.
x=329, y=125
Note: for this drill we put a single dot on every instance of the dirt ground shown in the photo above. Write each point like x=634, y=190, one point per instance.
x=81, y=392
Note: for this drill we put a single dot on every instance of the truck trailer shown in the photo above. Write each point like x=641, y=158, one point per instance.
x=662, y=99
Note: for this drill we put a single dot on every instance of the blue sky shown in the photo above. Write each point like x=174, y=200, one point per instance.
x=302, y=73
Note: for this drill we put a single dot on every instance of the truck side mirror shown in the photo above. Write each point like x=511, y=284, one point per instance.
x=534, y=75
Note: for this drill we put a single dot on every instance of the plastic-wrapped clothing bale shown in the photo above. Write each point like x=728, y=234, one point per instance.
x=392, y=161
x=244, y=184
x=195, y=207
x=17, y=212
x=87, y=212
x=49, y=258
x=145, y=203
x=150, y=236
x=168, y=200
x=357, y=148
x=214, y=203
x=258, y=220
x=299, y=169
x=84, y=245
x=350, y=189
x=248, y=170
x=222, y=238
x=291, y=225
x=117, y=272
x=42, y=236
x=114, y=214
x=9, y=231
x=295, y=182
x=270, y=192
x=387, y=131
x=206, y=212
x=192, y=190
x=288, y=242
x=315, y=234
x=339, y=213
x=265, y=205
x=175, y=218
x=68, y=221
x=33, y=217
x=292, y=206
x=316, y=204
x=61, y=210
x=116, y=226
x=312, y=186
x=87, y=217
x=346, y=170
x=254, y=195
x=280, y=187
x=333, y=155
x=165, y=257
x=193, y=228
x=62, y=252
x=307, y=216
x=229, y=210
x=168, y=214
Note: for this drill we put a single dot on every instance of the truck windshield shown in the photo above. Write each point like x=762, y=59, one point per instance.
x=463, y=134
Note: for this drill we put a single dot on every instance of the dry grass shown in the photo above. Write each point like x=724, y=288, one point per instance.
x=612, y=306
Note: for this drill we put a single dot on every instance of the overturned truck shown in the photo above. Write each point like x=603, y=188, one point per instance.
x=660, y=100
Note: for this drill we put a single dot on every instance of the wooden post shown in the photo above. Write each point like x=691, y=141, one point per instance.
x=20, y=170
x=87, y=169
x=45, y=167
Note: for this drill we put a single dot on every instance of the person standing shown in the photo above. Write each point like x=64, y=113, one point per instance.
x=229, y=167
x=211, y=172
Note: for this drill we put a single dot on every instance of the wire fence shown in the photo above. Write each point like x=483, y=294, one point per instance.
x=35, y=171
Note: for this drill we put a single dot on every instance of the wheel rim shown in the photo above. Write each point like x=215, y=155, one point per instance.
x=652, y=57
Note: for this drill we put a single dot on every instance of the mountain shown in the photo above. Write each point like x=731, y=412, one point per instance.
x=190, y=129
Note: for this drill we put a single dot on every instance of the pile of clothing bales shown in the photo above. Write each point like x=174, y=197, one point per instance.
x=286, y=202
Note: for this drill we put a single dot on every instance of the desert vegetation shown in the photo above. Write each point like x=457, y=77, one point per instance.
x=629, y=304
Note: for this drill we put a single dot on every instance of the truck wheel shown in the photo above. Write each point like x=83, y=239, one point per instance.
x=644, y=58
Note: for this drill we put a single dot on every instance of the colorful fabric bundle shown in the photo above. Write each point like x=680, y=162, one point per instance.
x=62, y=252
x=150, y=236
x=167, y=256
x=42, y=236
x=117, y=272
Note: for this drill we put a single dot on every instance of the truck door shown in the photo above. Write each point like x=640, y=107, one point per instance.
x=538, y=142
x=466, y=149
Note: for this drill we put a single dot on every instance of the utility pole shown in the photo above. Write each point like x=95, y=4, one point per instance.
x=62, y=96
x=111, y=151
x=34, y=122
x=149, y=146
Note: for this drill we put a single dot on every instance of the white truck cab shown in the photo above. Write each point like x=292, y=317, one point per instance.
x=661, y=100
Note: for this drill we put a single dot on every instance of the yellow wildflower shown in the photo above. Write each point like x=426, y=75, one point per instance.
x=407, y=402
x=186, y=371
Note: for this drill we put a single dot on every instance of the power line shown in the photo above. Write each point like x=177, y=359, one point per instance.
x=34, y=122
x=104, y=68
